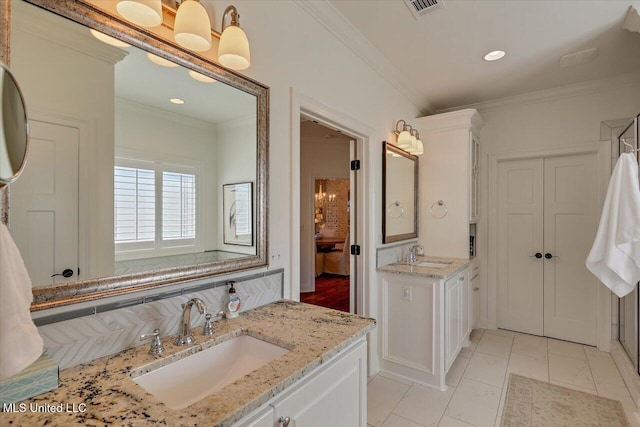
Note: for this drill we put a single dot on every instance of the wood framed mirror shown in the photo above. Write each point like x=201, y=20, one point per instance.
x=145, y=173
x=399, y=194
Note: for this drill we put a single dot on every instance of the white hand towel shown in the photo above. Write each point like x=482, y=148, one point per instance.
x=615, y=255
x=20, y=343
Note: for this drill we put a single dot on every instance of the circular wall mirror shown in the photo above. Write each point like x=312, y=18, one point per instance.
x=14, y=128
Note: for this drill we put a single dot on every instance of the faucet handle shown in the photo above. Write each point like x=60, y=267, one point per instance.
x=208, y=322
x=156, y=343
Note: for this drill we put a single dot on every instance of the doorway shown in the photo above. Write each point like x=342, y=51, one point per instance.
x=327, y=216
x=548, y=214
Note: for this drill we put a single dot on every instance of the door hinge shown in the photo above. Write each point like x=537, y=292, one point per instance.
x=355, y=249
x=355, y=165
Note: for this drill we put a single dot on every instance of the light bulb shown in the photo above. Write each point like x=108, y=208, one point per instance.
x=233, y=50
x=146, y=13
x=404, y=139
x=192, y=28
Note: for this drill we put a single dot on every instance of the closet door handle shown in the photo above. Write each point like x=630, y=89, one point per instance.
x=549, y=256
x=537, y=255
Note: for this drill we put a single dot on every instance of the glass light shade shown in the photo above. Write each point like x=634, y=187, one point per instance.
x=414, y=143
x=192, y=28
x=404, y=139
x=108, y=39
x=420, y=148
x=146, y=13
x=160, y=61
x=233, y=50
x=201, y=77
x=410, y=150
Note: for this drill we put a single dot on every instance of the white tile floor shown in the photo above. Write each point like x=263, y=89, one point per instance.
x=478, y=379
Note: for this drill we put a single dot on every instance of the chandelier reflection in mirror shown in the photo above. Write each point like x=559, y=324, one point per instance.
x=192, y=27
x=408, y=138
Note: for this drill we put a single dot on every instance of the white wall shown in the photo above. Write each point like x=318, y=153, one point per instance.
x=158, y=134
x=68, y=79
x=236, y=162
x=549, y=120
x=319, y=158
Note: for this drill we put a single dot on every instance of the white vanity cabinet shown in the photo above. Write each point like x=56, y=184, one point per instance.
x=449, y=171
x=423, y=324
x=334, y=394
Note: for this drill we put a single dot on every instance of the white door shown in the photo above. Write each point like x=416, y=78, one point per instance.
x=547, y=218
x=44, y=204
x=570, y=223
x=520, y=238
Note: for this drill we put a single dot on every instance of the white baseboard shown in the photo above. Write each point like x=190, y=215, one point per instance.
x=627, y=370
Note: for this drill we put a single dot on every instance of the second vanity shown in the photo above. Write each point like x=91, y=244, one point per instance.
x=318, y=379
x=426, y=316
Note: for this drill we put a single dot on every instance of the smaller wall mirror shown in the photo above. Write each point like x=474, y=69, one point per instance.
x=14, y=130
x=399, y=194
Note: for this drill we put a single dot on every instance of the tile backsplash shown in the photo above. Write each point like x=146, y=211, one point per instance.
x=392, y=254
x=109, y=331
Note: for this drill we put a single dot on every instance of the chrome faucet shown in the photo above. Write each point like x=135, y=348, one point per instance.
x=416, y=249
x=185, y=337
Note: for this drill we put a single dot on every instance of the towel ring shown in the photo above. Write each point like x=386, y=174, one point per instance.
x=442, y=207
x=395, y=210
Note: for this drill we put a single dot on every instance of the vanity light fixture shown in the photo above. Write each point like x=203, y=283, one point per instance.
x=108, y=39
x=192, y=27
x=201, y=77
x=177, y=101
x=408, y=138
x=145, y=13
x=404, y=135
x=160, y=61
x=494, y=55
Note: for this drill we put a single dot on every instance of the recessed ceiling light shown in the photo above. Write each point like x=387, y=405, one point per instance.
x=201, y=77
x=177, y=101
x=160, y=61
x=494, y=55
x=108, y=39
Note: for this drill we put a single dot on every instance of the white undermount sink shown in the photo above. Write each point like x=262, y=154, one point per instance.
x=432, y=264
x=195, y=377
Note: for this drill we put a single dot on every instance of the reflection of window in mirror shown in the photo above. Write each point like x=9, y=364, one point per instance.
x=140, y=229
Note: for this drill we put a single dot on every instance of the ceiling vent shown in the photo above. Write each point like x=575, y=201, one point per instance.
x=420, y=8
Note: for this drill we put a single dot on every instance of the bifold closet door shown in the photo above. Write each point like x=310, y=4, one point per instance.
x=547, y=210
x=570, y=224
x=520, y=238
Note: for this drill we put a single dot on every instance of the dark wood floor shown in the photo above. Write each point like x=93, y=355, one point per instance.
x=331, y=292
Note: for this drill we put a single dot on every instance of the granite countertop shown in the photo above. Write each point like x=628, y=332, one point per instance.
x=453, y=265
x=312, y=334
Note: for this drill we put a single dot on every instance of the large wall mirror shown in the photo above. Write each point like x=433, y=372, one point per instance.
x=399, y=194
x=132, y=142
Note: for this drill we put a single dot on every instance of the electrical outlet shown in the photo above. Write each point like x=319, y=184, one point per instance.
x=406, y=294
x=275, y=257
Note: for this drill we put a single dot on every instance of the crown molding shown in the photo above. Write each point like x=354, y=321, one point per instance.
x=37, y=22
x=459, y=119
x=569, y=91
x=163, y=115
x=239, y=122
x=329, y=17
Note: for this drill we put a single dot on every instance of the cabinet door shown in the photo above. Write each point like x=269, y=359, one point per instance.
x=474, y=203
x=453, y=325
x=465, y=306
x=474, y=285
x=336, y=396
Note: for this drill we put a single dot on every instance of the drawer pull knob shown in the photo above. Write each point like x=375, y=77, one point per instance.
x=285, y=421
